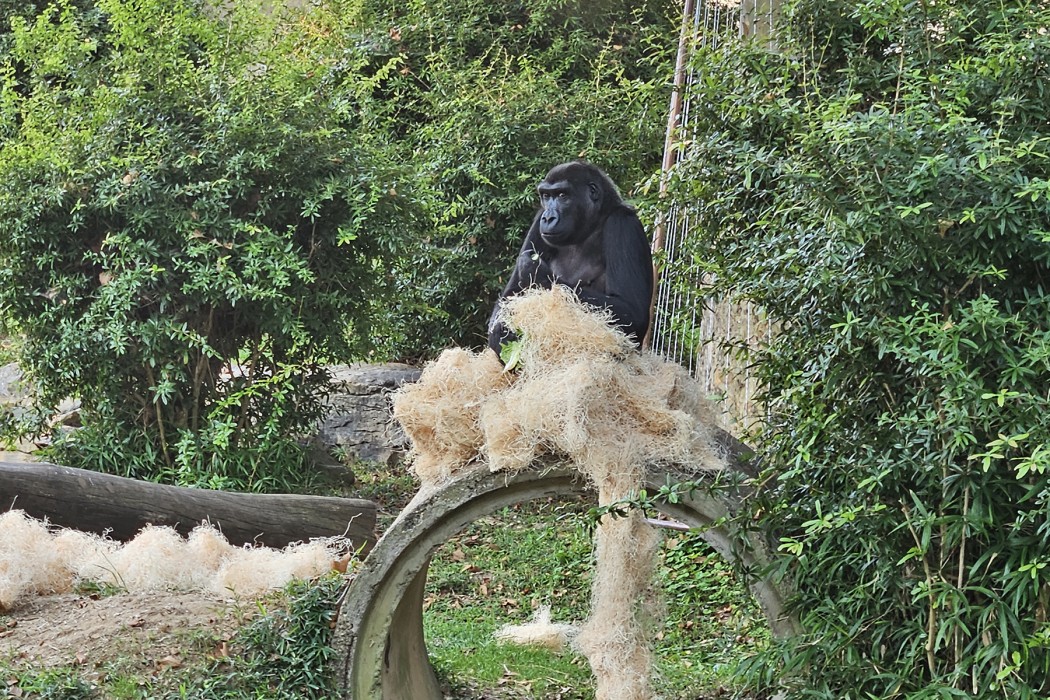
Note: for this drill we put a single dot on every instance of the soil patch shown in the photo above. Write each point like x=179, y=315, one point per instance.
x=150, y=632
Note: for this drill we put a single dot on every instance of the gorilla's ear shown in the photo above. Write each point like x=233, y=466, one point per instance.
x=595, y=192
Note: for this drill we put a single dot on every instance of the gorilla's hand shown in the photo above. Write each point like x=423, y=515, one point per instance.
x=533, y=270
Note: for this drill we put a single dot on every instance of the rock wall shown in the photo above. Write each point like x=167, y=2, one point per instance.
x=358, y=421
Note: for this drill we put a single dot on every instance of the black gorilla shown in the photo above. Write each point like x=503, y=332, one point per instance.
x=585, y=237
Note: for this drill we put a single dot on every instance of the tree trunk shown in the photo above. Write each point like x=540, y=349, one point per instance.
x=120, y=507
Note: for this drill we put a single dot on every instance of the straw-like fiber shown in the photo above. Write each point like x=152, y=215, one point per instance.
x=37, y=560
x=538, y=632
x=584, y=394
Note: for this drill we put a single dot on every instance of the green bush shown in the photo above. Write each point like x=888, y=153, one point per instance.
x=880, y=187
x=488, y=95
x=198, y=212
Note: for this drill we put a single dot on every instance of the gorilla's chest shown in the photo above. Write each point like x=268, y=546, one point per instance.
x=575, y=267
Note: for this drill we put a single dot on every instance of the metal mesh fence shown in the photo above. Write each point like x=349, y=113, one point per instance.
x=688, y=326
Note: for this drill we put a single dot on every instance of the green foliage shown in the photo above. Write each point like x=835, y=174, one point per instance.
x=8, y=345
x=510, y=355
x=11, y=9
x=879, y=187
x=488, y=95
x=197, y=213
x=285, y=653
x=57, y=684
x=203, y=207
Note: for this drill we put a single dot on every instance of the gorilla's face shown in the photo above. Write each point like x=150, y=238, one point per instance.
x=569, y=207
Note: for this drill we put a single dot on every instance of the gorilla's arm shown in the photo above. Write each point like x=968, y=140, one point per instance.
x=628, y=274
x=530, y=270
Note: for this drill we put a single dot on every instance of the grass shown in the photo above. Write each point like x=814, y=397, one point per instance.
x=496, y=572
x=502, y=568
x=48, y=684
x=711, y=619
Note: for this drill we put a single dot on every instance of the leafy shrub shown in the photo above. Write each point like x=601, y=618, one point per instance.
x=880, y=187
x=197, y=213
x=488, y=95
x=204, y=207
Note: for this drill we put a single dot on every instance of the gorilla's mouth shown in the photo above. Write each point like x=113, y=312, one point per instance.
x=553, y=238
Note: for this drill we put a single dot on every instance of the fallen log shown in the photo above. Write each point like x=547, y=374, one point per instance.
x=120, y=507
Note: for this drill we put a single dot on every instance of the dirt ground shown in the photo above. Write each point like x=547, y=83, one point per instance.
x=152, y=631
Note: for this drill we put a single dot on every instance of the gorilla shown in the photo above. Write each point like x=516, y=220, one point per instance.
x=584, y=237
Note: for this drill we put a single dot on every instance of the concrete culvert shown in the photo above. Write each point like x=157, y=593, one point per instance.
x=381, y=653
